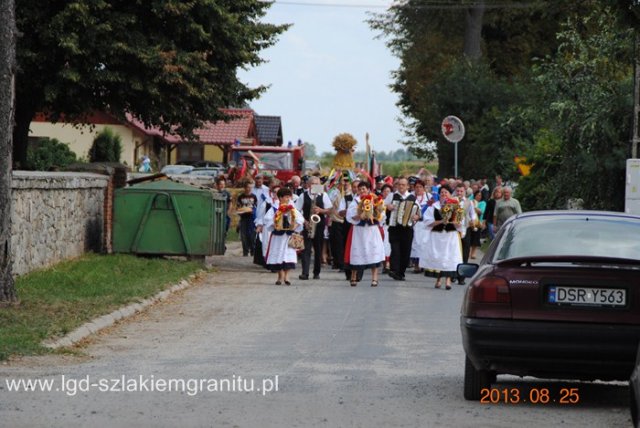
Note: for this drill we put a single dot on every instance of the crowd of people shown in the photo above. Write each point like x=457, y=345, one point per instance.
x=350, y=224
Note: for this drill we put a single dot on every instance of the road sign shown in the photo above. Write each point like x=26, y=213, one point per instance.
x=452, y=129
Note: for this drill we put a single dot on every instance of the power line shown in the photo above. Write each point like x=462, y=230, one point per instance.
x=333, y=5
x=425, y=5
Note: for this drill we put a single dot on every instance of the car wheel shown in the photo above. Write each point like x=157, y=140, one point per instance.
x=475, y=380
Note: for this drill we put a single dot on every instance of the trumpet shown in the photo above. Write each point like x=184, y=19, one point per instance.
x=315, y=218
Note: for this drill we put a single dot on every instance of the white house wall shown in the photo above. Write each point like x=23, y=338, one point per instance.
x=81, y=138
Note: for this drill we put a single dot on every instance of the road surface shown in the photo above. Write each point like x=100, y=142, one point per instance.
x=315, y=354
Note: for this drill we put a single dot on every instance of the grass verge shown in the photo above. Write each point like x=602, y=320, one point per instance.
x=57, y=300
x=485, y=246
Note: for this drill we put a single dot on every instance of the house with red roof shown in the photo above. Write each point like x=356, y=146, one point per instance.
x=79, y=137
x=215, y=138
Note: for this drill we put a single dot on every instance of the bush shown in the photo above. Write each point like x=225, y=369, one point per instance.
x=48, y=154
x=107, y=147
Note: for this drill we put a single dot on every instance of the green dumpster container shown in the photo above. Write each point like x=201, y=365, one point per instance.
x=166, y=217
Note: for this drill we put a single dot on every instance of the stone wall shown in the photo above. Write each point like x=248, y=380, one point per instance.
x=55, y=216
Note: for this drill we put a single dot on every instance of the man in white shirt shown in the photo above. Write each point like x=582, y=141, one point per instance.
x=309, y=203
x=400, y=236
x=260, y=189
x=295, y=185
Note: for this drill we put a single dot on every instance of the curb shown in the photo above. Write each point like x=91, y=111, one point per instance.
x=108, y=320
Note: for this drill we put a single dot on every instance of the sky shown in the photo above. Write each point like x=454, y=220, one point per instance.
x=328, y=74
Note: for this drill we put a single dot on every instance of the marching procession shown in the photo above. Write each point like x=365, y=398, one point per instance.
x=353, y=222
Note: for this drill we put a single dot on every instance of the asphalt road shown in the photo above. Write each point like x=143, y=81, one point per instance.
x=338, y=357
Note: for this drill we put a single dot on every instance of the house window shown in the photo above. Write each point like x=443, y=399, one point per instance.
x=190, y=152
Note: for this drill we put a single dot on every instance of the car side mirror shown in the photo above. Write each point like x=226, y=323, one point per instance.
x=467, y=270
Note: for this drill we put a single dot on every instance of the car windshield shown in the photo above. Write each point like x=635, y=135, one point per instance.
x=597, y=236
x=276, y=160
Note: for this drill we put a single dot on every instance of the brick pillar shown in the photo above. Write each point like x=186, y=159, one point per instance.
x=117, y=180
x=108, y=217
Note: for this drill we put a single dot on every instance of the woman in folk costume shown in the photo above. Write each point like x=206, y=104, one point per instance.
x=282, y=221
x=266, y=201
x=422, y=199
x=365, y=248
x=442, y=251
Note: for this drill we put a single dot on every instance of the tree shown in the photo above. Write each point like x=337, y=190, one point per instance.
x=443, y=47
x=473, y=31
x=169, y=63
x=7, y=72
x=106, y=147
x=49, y=154
x=310, y=151
x=471, y=91
x=587, y=91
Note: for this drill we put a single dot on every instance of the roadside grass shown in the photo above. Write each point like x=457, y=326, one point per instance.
x=57, y=300
x=232, y=234
x=485, y=246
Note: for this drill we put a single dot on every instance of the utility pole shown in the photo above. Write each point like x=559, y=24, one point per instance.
x=636, y=99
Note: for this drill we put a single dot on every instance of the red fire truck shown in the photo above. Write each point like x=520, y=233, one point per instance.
x=281, y=162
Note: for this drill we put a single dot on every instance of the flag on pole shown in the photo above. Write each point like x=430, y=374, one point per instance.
x=367, y=152
x=374, y=168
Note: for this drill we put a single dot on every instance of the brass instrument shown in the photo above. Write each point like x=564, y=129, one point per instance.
x=312, y=225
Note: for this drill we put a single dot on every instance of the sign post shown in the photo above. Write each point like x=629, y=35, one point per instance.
x=453, y=131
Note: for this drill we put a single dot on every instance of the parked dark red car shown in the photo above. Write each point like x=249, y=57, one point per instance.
x=557, y=295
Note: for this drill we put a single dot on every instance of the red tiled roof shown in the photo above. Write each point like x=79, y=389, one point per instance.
x=219, y=132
